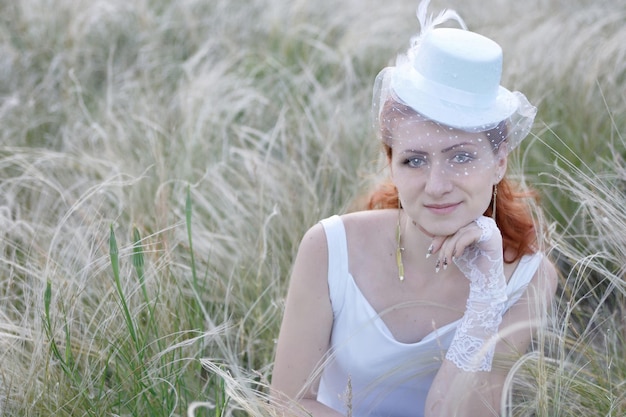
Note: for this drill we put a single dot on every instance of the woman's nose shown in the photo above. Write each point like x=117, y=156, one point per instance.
x=438, y=181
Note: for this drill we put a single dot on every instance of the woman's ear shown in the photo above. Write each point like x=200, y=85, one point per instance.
x=389, y=157
x=501, y=162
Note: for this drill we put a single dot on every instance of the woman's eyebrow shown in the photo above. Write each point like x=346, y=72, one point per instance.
x=457, y=145
x=414, y=151
x=448, y=149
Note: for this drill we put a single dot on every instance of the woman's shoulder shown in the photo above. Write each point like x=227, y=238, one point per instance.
x=548, y=275
x=538, y=270
x=358, y=227
x=360, y=224
x=541, y=265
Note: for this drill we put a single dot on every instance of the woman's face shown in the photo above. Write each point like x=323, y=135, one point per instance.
x=444, y=176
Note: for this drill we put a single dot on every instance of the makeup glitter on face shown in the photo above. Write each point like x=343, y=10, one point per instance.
x=444, y=176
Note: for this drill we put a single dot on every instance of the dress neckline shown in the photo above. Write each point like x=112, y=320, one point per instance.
x=439, y=332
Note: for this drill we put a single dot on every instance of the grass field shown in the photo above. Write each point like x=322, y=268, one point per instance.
x=160, y=160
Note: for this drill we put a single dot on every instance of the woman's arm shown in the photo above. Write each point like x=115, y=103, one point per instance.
x=305, y=331
x=455, y=392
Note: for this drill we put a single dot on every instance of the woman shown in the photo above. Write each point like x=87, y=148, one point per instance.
x=400, y=311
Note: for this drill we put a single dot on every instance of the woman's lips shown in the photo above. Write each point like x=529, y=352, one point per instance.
x=441, y=209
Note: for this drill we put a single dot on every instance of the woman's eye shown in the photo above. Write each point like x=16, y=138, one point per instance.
x=415, y=162
x=462, y=158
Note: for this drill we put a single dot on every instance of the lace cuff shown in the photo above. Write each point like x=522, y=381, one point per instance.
x=471, y=354
x=473, y=346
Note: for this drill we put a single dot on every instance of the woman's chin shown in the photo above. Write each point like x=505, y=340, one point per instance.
x=432, y=229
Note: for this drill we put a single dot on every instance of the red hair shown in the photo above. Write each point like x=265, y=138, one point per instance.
x=513, y=215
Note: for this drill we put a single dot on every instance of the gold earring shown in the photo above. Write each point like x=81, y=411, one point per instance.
x=493, y=207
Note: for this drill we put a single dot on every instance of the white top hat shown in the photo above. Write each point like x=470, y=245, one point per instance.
x=453, y=78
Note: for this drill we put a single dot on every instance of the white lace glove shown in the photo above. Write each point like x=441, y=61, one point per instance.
x=473, y=345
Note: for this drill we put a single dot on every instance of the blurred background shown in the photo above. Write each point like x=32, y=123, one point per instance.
x=160, y=161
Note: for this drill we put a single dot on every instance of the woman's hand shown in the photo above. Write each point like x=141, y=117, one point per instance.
x=476, y=249
x=480, y=235
x=460, y=388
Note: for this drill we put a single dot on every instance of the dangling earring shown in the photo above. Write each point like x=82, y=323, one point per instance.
x=399, y=248
x=493, y=208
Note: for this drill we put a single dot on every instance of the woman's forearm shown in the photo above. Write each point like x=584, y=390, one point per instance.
x=458, y=393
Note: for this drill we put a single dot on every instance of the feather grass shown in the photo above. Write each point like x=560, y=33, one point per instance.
x=160, y=161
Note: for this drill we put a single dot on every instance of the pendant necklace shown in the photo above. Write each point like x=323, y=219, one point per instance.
x=399, y=250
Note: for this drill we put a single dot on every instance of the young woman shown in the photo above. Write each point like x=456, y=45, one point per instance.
x=416, y=308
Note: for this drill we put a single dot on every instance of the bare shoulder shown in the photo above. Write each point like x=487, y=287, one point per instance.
x=546, y=277
x=308, y=288
x=362, y=224
x=358, y=226
x=314, y=238
x=313, y=250
x=543, y=284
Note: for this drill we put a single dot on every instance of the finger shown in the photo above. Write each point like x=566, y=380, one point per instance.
x=434, y=249
x=462, y=241
x=435, y=245
x=443, y=247
x=456, y=244
x=444, y=255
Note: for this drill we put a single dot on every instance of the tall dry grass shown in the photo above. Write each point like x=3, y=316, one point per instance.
x=160, y=161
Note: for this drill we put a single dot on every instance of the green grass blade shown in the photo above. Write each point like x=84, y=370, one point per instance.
x=47, y=323
x=139, y=262
x=188, y=213
x=115, y=265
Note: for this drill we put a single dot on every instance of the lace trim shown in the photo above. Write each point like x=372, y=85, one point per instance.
x=471, y=354
x=487, y=225
x=473, y=345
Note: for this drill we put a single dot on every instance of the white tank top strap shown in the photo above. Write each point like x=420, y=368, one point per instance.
x=337, y=260
x=521, y=277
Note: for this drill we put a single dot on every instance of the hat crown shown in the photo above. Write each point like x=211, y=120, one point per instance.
x=461, y=60
x=452, y=76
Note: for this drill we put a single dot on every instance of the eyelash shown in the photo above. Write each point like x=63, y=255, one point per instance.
x=414, y=162
x=465, y=155
x=418, y=162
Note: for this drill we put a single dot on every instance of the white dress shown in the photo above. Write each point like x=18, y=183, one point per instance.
x=388, y=378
